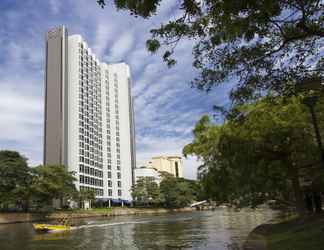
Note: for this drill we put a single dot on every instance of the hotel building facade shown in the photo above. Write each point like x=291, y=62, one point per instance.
x=89, y=123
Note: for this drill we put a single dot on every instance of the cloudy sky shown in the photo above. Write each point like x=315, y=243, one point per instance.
x=166, y=107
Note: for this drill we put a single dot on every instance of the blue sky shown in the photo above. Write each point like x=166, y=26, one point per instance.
x=166, y=107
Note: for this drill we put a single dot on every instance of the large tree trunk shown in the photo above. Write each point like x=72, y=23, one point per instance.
x=317, y=201
x=299, y=197
x=26, y=205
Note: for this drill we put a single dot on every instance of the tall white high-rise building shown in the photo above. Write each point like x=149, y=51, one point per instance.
x=89, y=124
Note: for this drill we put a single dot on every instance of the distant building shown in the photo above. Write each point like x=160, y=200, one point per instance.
x=169, y=164
x=144, y=171
x=89, y=124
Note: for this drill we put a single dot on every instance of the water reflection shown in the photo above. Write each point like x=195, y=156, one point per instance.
x=218, y=230
x=51, y=236
x=176, y=233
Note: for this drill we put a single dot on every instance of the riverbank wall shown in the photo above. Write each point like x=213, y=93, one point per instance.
x=298, y=233
x=9, y=218
x=256, y=239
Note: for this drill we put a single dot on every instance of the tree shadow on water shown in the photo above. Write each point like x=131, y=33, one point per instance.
x=177, y=235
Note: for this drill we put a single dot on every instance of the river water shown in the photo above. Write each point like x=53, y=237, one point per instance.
x=222, y=229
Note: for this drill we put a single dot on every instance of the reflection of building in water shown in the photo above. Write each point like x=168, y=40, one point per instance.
x=172, y=231
x=169, y=164
x=116, y=235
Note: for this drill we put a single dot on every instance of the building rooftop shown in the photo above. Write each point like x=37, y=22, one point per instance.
x=167, y=157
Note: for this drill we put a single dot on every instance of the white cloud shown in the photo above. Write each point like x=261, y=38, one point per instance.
x=21, y=121
x=120, y=47
x=104, y=34
x=138, y=58
x=55, y=6
x=191, y=165
x=166, y=108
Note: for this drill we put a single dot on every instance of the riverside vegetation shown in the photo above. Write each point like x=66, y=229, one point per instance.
x=172, y=192
x=268, y=50
x=264, y=151
x=23, y=187
x=266, y=148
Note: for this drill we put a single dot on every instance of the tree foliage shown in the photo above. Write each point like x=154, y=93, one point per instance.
x=172, y=192
x=52, y=182
x=267, y=45
x=146, y=192
x=86, y=195
x=176, y=192
x=264, y=152
x=22, y=186
x=14, y=178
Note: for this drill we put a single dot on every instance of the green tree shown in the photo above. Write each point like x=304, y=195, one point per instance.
x=15, y=179
x=266, y=45
x=197, y=189
x=146, y=192
x=86, y=195
x=176, y=192
x=260, y=154
x=53, y=182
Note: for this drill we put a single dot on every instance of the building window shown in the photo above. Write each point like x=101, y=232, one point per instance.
x=109, y=174
x=109, y=192
x=119, y=175
x=119, y=192
x=119, y=183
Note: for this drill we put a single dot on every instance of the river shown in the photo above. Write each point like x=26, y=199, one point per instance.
x=222, y=229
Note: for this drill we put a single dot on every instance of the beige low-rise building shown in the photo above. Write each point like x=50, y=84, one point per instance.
x=169, y=164
x=145, y=172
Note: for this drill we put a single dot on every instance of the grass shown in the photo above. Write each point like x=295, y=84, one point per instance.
x=297, y=234
x=89, y=211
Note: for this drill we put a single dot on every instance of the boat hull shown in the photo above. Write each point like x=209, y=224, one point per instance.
x=49, y=227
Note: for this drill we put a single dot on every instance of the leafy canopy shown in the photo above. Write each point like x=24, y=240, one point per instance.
x=267, y=45
x=21, y=185
x=86, y=195
x=53, y=182
x=176, y=192
x=172, y=192
x=264, y=152
x=14, y=177
x=146, y=192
